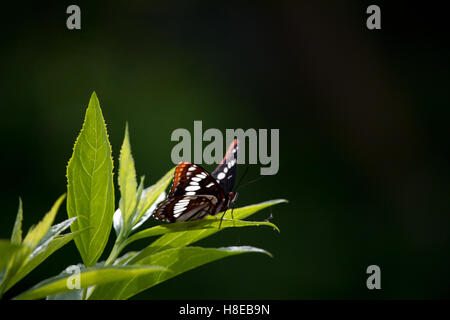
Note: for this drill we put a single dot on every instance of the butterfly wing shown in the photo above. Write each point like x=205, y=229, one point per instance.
x=193, y=194
x=184, y=208
x=225, y=173
x=190, y=179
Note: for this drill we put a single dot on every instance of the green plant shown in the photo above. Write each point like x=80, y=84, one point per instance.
x=91, y=214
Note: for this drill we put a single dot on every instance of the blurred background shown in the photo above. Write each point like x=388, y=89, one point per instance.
x=363, y=118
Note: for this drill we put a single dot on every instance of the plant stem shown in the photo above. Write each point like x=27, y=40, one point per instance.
x=113, y=255
x=116, y=249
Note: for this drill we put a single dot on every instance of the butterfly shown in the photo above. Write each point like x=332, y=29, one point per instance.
x=195, y=193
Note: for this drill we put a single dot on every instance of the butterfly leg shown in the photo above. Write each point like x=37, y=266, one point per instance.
x=221, y=218
x=232, y=217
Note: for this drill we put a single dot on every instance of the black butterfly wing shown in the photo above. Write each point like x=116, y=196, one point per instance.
x=190, y=179
x=184, y=208
x=225, y=173
x=193, y=194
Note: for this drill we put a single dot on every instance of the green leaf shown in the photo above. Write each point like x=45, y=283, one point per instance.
x=16, y=236
x=139, y=196
x=127, y=180
x=90, y=189
x=134, y=224
x=151, y=195
x=51, y=234
x=207, y=222
x=37, y=233
x=179, y=260
x=117, y=218
x=70, y=295
x=7, y=251
x=73, y=294
x=54, y=245
x=29, y=258
x=123, y=259
x=170, y=241
x=148, y=199
x=88, y=277
x=179, y=239
x=32, y=241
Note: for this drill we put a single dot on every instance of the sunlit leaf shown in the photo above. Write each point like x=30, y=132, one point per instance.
x=118, y=221
x=207, y=222
x=123, y=259
x=16, y=236
x=151, y=195
x=179, y=260
x=127, y=180
x=7, y=250
x=69, y=295
x=9, y=254
x=149, y=198
x=88, y=277
x=179, y=239
x=73, y=294
x=117, y=218
x=90, y=189
x=171, y=242
x=51, y=234
x=148, y=213
x=35, y=241
x=37, y=233
x=52, y=246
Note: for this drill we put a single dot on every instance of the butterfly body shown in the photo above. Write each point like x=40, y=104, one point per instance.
x=195, y=193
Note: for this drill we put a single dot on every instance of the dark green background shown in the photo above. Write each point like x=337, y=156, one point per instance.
x=363, y=119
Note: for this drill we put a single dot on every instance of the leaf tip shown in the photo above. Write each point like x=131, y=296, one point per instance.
x=276, y=228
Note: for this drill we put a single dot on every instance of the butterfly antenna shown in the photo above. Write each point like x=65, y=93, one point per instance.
x=237, y=186
x=241, y=178
x=251, y=181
